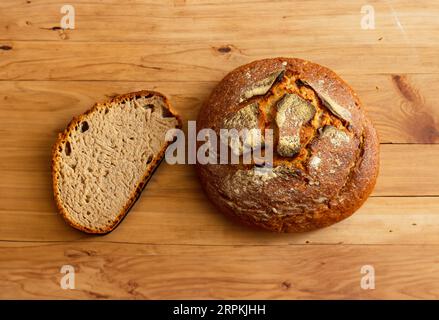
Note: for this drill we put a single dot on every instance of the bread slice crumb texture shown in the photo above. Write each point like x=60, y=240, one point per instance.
x=103, y=159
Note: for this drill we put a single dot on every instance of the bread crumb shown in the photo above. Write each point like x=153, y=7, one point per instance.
x=336, y=137
x=315, y=162
x=314, y=183
x=321, y=199
x=265, y=174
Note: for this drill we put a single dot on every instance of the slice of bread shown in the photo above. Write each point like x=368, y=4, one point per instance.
x=105, y=157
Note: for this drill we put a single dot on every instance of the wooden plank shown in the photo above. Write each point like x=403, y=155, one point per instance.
x=205, y=272
x=189, y=219
x=207, y=21
x=406, y=170
x=402, y=108
x=33, y=112
x=418, y=171
x=27, y=210
x=196, y=61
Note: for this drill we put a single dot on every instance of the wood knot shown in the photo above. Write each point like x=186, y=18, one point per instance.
x=55, y=28
x=73, y=253
x=63, y=35
x=96, y=295
x=5, y=47
x=286, y=285
x=418, y=116
x=224, y=49
x=404, y=87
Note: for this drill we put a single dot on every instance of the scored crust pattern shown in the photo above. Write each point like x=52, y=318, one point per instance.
x=325, y=149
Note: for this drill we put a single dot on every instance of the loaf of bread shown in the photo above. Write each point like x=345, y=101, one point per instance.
x=104, y=158
x=325, y=149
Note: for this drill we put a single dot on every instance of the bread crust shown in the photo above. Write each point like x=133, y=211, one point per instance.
x=301, y=209
x=63, y=138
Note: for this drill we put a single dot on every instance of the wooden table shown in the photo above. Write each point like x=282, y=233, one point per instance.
x=174, y=244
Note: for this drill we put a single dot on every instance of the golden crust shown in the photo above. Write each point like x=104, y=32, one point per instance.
x=63, y=137
x=313, y=214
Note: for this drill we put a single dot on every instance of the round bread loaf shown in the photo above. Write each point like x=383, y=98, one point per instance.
x=325, y=150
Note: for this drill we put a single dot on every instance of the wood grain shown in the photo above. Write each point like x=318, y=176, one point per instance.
x=402, y=108
x=394, y=215
x=174, y=244
x=192, y=220
x=195, y=61
x=206, y=272
x=406, y=170
x=225, y=21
